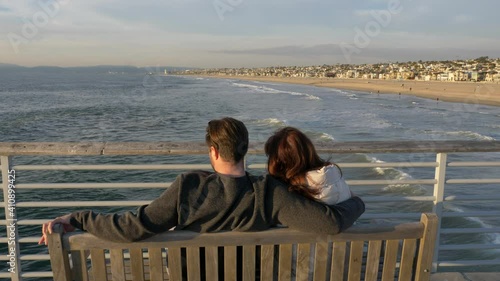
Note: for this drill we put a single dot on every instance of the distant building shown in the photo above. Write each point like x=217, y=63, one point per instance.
x=477, y=76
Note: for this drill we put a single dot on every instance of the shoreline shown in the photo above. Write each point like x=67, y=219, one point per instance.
x=460, y=92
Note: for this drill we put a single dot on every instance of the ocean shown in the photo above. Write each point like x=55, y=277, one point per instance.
x=69, y=107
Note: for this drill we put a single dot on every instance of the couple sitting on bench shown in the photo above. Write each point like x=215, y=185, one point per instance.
x=301, y=192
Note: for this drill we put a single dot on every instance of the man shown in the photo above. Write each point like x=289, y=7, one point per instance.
x=229, y=199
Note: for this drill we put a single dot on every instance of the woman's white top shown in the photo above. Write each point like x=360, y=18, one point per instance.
x=333, y=187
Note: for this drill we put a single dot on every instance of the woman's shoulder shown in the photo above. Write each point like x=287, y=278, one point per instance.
x=325, y=171
x=333, y=169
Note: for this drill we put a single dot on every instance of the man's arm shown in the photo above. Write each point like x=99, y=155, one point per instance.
x=348, y=211
x=297, y=212
x=158, y=216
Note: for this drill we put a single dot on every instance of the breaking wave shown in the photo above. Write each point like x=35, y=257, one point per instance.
x=268, y=90
x=394, y=174
x=461, y=134
x=271, y=122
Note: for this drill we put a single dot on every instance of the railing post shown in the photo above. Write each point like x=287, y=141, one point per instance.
x=9, y=201
x=440, y=177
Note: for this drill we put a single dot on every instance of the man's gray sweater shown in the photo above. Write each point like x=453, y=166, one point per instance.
x=210, y=202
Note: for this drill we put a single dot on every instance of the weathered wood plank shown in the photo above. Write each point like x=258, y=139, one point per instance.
x=249, y=263
x=80, y=271
x=285, y=262
x=193, y=263
x=98, y=264
x=303, y=257
x=320, y=261
x=373, y=260
x=273, y=236
x=156, y=263
x=59, y=259
x=230, y=263
x=426, y=248
x=408, y=147
x=137, y=264
x=51, y=148
x=154, y=148
x=117, y=265
x=407, y=259
x=212, y=263
x=355, y=261
x=390, y=258
x=174, y=263
x=266, y=267
x=338, y=261
x=175, y=148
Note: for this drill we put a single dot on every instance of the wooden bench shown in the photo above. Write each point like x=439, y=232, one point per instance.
x=366, y=252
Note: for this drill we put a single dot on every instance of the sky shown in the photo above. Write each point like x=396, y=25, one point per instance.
x=245, y=33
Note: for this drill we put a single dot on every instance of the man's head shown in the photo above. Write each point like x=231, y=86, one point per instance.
x=228, y=137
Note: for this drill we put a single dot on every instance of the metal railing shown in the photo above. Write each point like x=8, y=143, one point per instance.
x=14, y=240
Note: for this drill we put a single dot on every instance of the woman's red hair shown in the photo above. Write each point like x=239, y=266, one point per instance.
x=291, y=154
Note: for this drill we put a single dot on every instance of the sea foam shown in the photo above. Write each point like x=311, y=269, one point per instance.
x=470, y=135
x=268, y=90
x=390, y=173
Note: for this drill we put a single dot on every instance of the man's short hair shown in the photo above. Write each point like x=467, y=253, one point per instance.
x=230, y=137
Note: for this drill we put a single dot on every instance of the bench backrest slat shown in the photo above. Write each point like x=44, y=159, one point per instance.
x=156, y=263
x=407, y=259
x=338, y=261
x=373, y=260
x=303, y=261
x=249, y=263
x=390, y=259
x=98, y=264
x=230, y=263
x=355, y=259
x=211, y=263
x=375, y=252
x=193, y=263
x=320, y=261
x=285, y=264
x=137, y=264
x=175, y=263
x=117, y=264
x=79, y=272
x=266, y=267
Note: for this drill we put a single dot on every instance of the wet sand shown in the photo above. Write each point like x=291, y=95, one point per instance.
x=487, y=93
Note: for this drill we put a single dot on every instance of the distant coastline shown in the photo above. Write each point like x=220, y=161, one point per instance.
x=460, y=92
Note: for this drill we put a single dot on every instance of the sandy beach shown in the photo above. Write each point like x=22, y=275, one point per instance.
x=461, y=92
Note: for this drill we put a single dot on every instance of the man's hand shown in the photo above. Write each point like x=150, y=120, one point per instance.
x=48, y=227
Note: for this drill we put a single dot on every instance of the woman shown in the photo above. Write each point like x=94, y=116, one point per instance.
x=293, y=160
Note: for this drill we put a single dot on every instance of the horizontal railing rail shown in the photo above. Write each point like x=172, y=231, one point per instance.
x=437, y=180
x=189, y=148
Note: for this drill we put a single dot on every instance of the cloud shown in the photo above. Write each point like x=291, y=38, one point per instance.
x=298, y=31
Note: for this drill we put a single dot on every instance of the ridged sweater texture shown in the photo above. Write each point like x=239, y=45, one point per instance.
x=210, y=202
